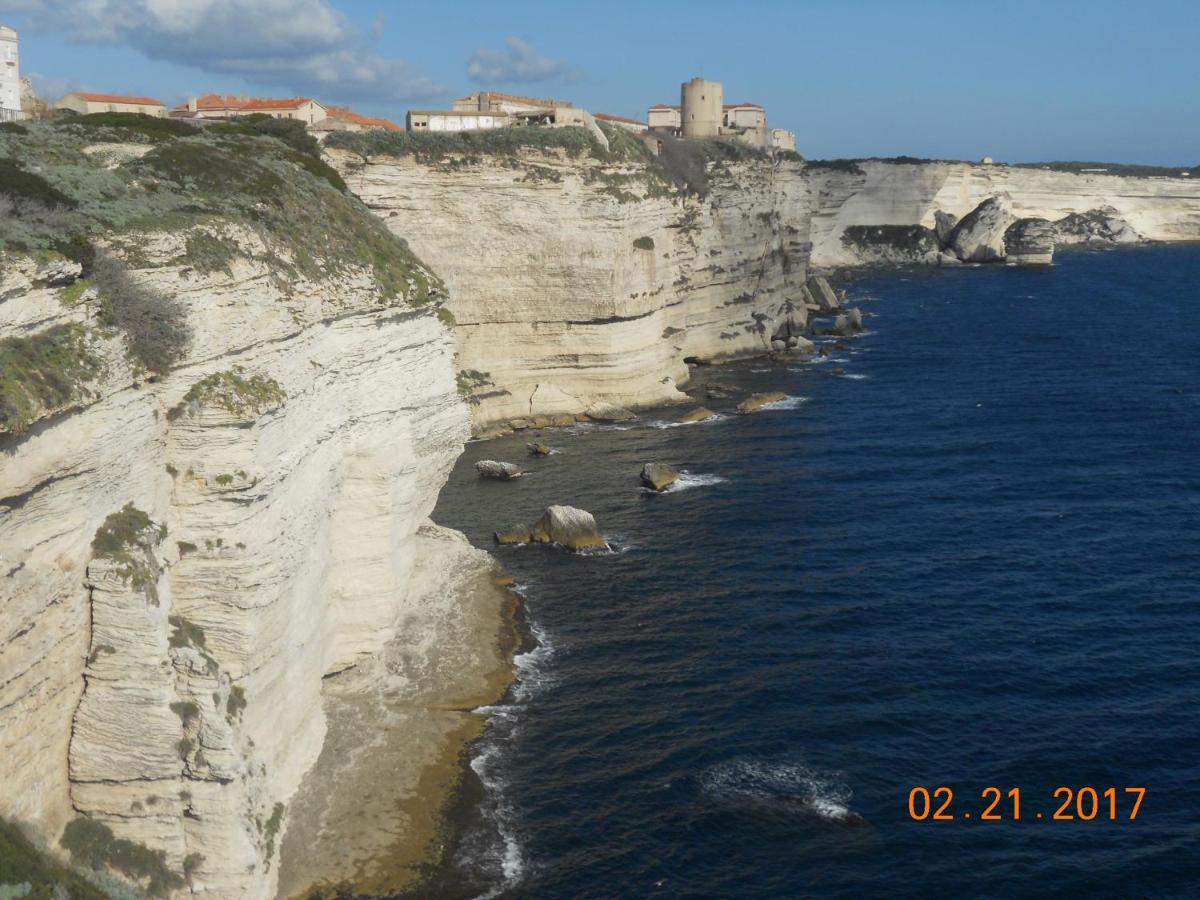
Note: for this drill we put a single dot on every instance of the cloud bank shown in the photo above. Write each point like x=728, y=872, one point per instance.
x=305, y=46
x=518, y=62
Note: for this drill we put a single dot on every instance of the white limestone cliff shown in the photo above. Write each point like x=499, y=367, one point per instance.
x=568, y=293
x=177, y=698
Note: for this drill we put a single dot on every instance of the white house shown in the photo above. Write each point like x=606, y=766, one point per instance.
x=622, y=122
x=10, y=76
x=227, y=106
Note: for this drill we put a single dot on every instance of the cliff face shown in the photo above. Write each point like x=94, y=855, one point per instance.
x=883, y=193
x=573, y=282
x=162, y=667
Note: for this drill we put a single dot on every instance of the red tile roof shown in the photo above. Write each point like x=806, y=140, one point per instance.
x=663, y=106
x=115, y=98
x=349, y=115
x=230, y=101
x=607, y=117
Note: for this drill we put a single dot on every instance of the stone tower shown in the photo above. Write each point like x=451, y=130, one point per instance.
x=701, y=103
x=10, y=76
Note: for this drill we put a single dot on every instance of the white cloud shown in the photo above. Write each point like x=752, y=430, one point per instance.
x=304, y=46
x=518, y=62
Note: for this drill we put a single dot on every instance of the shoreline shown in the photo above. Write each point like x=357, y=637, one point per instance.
x=377, y=814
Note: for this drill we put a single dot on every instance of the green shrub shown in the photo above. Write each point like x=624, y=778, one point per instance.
x=837, y=165
x=128, y=537
x=93, y=844
x=43, y=372
x=271, y=829
x=155, y=326
x=13, y=128
x=207, y=252
x=436, y=146
x=18, y=183
x=23, y=862
x=197, y=165
x=290, y=131
x=446, y=317
x=644, y=243
x=236, y=393
x=129, y=125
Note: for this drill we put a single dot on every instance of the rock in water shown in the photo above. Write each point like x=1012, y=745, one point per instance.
x=490, y=468
x=979, y=237
x=848, y=323
x=1030, y=242
x=943, y=225
x=657, y=476
x=822, y=293
x=949, y=259
x=1096, y=226
x=755, y=402
x=573, y=528
x=536, y=448
x=608, y=412
x=515, y=534
x=698, y=415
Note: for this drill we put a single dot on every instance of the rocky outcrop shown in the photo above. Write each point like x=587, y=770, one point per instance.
x=536, y=448
x=979, y=237
x=755, y=402
x=502, y=471
x=658, y=477
x=893, y=245
x=1095, y=226
x=698, y=415
x=943, y=225
x=1030, y=242
x=608, y=412
x=824, y=297
x=569, y=527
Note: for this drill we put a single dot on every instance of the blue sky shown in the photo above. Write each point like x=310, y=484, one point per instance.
x=1019, y=81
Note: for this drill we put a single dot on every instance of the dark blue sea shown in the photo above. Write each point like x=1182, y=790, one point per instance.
x=969, y=560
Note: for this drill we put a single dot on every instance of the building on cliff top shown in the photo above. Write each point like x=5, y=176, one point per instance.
x=10, y=76
x=226, y=106
x=339, y=118
x=489, y=109
x=703, y=113
x=85, y=102
x=621, y=122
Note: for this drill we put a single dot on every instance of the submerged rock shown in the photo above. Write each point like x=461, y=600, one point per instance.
x=698, y=415
x=573, y=528
x=1030, y=242
x=716, y=392
x=658, y=477
x=979, y=237
x=755, y=402
x=608, y=412
x=514, y=534
x=536, y=448
x=490, y=468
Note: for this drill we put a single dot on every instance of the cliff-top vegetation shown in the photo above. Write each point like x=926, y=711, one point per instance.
x=683, y=166
x=62, y=191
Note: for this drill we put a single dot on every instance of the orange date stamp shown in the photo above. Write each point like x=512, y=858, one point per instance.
x=1068, y=804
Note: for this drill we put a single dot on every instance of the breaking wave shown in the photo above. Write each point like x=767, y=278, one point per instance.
x=823, y=793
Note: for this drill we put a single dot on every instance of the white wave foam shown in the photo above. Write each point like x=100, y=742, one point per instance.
x=785, y=403
x=660, y=423
x=692, y=479
x=854, y=377
x=822, y=792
